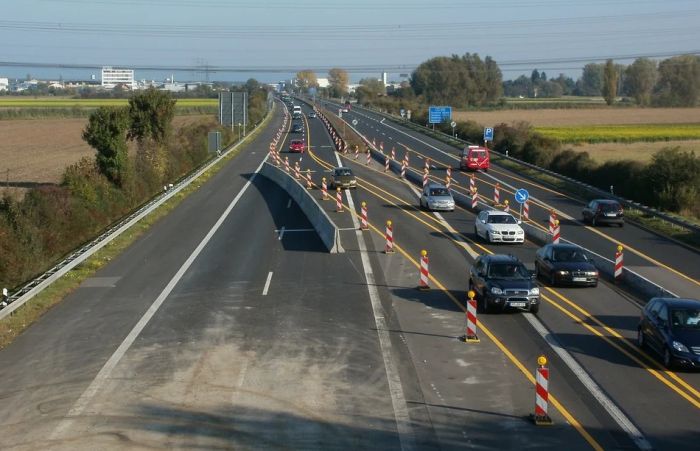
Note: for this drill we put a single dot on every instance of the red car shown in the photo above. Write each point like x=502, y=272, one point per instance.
x=474, y=158
x=297, y=145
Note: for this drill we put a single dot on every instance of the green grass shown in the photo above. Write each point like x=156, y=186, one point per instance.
x=13, y=325
x=622, y=133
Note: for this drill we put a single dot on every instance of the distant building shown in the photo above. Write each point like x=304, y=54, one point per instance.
x=4, y=84
x=384, y=77
x=352, y=88
x=112, y=77
x=322, y=82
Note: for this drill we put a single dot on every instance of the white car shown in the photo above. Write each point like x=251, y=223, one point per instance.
x=498, y=227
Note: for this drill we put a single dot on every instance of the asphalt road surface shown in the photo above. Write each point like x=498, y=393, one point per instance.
x=228, y=326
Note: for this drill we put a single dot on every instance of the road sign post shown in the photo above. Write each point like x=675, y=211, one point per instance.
x=439, y=114
x=488, y=134
x=453, y=124
x=521, y=196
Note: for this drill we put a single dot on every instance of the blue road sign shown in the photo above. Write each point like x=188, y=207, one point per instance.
x=488, y=134
x=439, y=114
x=521, y=196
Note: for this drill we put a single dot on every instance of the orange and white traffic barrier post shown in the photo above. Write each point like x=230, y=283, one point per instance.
x=364, y=225
x=425, y=177
x=475, y=198
x=470, y=336
x=309, y=183
x=472, y=182
x=369, y=156
x=540, y=417
x=345, y=147
x=381, y=146
x=552, y=219
x=324, y=189
x=389, y=248
x=448, y=178
x=403, y=168
x=423, y=283
x=338, y=201
x=297, y=170
x=393, y=153
x=357, y=151
x=374, y=143
x=427, y=164
x=386, y=164
x=526, y=210
x=619, y=263
x=497, y=194
x=286, y=164
x=556, y=234
x=506, y=206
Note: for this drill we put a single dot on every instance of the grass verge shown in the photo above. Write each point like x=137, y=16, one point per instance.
x=17, y=322
x=622, y=133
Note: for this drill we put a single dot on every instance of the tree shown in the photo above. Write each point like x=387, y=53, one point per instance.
x=609, y=89
x=338, y=80
x=369, y=89
x=106, y=132
x=591, y=80
x=640, y=80
x=306, y=79
x=151, y=112
x=675, y=176
x=535, y=76
x=679, y=81
x=252, y=85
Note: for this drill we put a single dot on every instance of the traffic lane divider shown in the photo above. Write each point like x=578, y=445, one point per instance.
x=319, y=219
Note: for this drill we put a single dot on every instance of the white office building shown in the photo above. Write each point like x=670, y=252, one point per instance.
x=4, y=84
x=112, y=77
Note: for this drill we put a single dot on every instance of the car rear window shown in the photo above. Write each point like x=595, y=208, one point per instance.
x=477, y=154
x=609, y=207
x=343, y=171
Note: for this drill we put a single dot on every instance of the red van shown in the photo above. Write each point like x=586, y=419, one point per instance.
x=474, y=158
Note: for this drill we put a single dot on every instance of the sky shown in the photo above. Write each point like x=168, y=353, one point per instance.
x=270, y=40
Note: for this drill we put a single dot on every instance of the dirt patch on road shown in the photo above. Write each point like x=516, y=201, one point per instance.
x=584, y=116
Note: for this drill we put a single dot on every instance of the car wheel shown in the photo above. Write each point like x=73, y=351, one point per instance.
x=593, y=221
x=534, y=309
x=552, y=280
x=640, y=338
x=476, y=232
x=622, y=224
x=668, y=360
x=537, y=271
x=488, y=237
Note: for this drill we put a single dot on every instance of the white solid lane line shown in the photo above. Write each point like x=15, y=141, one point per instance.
x=582, y=375
x=105, y=372
x=267, y=284
x=398, y=399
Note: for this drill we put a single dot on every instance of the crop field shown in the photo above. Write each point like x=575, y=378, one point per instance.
x=37, y=152
x=63, y=102
x=583, y=116
x=640, y=151
x=622, y=133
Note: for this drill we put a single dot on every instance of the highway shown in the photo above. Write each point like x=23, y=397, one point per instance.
x=227, y=325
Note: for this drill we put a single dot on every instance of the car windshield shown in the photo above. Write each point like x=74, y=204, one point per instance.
x=686, y=318
x=569, y=255
x=343, y=172
x=477, y=154
x=508, y=271
x=609, y=207
x=501, y=219
x=439, y=192
x=296, y=143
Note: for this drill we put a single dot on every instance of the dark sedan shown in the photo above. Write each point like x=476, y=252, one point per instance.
x=565, y=264
x=671, y=327
x=603, y=211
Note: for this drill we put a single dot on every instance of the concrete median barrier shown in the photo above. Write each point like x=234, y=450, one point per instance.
x=320, y=221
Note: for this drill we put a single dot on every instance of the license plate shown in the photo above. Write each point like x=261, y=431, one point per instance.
x=518, y=304
x=611, y=215
x=579, y=279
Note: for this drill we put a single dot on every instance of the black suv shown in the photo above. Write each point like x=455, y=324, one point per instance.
x=502, y=281
x=603, y=211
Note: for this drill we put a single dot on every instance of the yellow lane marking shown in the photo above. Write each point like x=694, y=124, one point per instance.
x=629, y=355
x=617, y=335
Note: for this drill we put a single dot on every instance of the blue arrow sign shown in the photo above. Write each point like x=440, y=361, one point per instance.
x=488, y=134
x=521, y=196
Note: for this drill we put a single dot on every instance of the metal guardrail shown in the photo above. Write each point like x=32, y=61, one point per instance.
x=627, y=203
x=77, y=256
